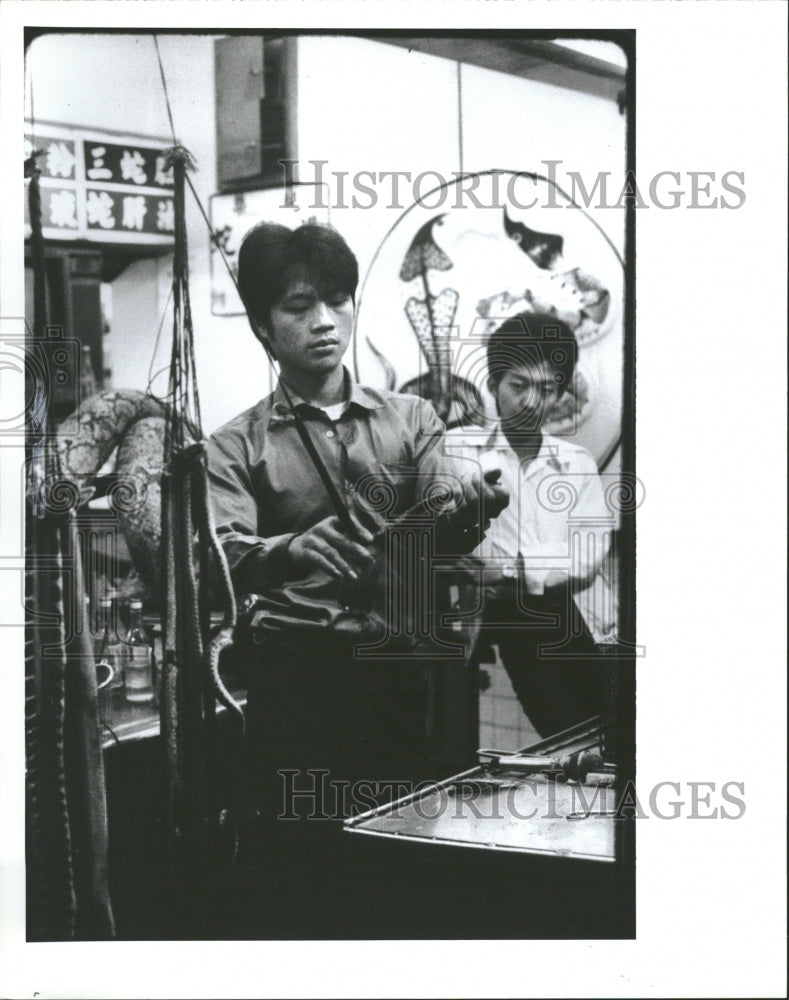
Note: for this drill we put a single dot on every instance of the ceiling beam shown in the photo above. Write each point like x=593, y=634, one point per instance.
x=531, y=59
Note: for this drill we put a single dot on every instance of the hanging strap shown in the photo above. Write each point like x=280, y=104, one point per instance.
x=337, y=502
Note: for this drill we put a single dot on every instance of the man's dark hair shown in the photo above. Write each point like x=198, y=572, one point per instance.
x=269, y=253
x=533, y=339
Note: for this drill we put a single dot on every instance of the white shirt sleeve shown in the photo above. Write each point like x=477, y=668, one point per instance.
x=572, y=541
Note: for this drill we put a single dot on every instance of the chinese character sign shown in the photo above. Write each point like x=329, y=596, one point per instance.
x=126, y=164
x=59, y=208
x=131, y=213
x=98, y=187
x=58, y=157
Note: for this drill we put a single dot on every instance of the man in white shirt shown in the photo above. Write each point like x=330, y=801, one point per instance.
x=549, y=544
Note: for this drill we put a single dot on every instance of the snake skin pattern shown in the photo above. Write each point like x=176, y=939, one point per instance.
x=132, y=422
x=137, y=498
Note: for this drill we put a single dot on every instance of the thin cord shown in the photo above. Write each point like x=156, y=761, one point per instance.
x=460, y=117
x=213, y=235
x=182, y=360
x=233, y=278
x=164, y=87
x=151, y=377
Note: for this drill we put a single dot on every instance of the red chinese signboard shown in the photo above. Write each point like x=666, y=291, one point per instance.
x=102, y=187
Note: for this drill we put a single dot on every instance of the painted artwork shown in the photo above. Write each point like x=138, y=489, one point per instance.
x=454, y=267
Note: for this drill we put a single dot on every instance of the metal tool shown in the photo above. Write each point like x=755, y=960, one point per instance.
x=583, y=766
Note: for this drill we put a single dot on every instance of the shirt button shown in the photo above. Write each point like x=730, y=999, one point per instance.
x=329, y=434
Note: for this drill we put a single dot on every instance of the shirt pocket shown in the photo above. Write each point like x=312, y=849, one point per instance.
x=386, y=490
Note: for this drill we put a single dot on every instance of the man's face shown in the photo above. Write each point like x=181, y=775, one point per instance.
x=310, y=328
x=524, y=395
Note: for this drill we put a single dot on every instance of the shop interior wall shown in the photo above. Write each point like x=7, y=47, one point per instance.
x=362, y=105
x=113, y=82
x=367, y=105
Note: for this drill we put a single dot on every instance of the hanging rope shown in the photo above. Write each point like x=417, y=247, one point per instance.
x=164, y=88
x=191, y=683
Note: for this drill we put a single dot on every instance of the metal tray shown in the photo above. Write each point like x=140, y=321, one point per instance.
x=513, y=802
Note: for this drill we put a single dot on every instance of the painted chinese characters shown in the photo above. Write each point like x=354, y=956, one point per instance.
x=134, y=212
x=126, y=164
x=58, y=156
x=100, y=210
x=132, y=164
x=60, y=160
x=97, y=171
x=62, y=209
x=165, y=216
x=98, y=188
x=138, y=213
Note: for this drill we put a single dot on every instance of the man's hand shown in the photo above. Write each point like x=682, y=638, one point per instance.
x=494, y=497
x=484, y=499
x=327, y=546
x=463, y=529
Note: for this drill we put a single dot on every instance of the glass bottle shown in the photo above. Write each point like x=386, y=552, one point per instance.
x=108, y=647
x=138, y=666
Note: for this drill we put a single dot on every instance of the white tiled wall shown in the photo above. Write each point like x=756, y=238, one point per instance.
x=503, y=725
